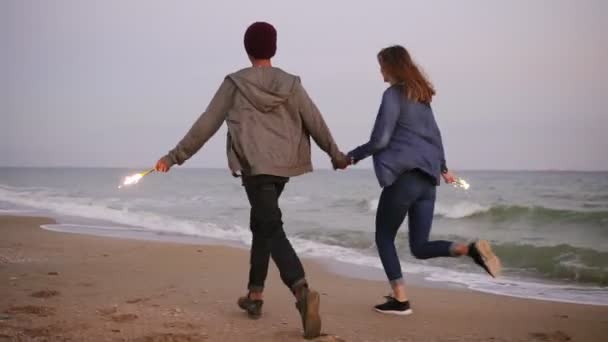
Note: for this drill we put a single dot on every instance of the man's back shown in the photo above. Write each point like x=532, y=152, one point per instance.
x=270, y=122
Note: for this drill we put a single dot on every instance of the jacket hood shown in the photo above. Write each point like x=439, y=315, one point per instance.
x=265, y=87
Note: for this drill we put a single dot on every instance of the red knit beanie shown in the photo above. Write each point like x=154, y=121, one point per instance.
x=261, y=40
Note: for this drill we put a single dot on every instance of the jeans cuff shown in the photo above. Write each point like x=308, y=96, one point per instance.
x=453, y=252
x=255, y=288
x=398, y=281
x=298, y=283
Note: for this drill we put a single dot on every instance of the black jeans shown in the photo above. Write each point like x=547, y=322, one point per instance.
x=269, y=238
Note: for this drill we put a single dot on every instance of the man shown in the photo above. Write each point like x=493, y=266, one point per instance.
x=270, y=120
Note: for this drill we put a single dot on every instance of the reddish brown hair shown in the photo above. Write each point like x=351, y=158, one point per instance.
x=397, y=63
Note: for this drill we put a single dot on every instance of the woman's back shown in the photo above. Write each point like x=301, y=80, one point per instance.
x=415, y=142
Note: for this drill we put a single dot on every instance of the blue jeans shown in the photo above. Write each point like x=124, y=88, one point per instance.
x=413, y=194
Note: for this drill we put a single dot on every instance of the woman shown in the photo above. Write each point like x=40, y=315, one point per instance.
x=408, y=161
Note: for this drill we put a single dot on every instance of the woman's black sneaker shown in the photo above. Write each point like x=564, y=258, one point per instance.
x=252, y=306
x=482, y=255
x=394, y=307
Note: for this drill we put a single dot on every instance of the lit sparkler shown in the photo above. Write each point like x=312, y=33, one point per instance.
x=461, y=183
x=135, y=178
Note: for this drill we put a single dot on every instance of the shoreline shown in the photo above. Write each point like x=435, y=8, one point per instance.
x=349, y=269
x=89, y=288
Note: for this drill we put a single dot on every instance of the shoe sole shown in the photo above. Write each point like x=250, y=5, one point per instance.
x=249, y=313
x=397, y=313
x=312, y=323
x=489, y=258
x=253, y=316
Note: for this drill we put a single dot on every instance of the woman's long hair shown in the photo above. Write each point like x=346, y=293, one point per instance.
x=397, y=63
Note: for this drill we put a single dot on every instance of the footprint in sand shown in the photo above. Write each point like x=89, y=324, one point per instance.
x=293, y=335
x=556, y=336
x=137, y=300
x=45, y=294
x=107, y=311
x=40, y=311
x=329, y=338
x=86, y=284
x=171, y=337
x=111, y=313
x=180, y=325
x=52, y=332
x=124, y=318
x=48, y=331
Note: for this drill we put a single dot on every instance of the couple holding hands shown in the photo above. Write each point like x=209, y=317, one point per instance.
x=270, y=120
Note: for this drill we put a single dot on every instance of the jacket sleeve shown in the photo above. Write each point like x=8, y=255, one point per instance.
x=315, y=125
x=205, y=126
x=386, y=121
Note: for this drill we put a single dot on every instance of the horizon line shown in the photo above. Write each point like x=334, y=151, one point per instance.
x=316, y=169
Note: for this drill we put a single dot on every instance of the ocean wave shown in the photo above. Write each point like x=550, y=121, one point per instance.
x=144, y=221
x=453, y=211
x=459, y=210
x=559, y=262
x=534, y=215
x=542, y=215
x=498, y=213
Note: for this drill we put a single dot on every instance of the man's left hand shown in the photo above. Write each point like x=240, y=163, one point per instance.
x=342, y=162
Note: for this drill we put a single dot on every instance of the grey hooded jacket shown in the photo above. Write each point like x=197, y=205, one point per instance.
x=270, y=120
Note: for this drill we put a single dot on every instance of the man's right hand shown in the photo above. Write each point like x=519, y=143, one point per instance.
x=162, y=165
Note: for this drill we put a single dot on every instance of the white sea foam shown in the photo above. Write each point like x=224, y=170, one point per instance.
x=459, y=210
x=372, y=205
x=294, y=200
x=16, y=211
x=96, y=209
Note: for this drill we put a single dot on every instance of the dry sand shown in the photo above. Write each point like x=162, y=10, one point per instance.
x=69, y=287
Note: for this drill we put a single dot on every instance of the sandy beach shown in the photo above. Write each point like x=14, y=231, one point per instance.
x=70, y=287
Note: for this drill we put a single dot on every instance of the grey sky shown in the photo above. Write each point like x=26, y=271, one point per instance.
x=521, y=84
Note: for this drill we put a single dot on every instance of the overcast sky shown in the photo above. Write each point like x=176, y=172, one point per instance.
x=520, y=84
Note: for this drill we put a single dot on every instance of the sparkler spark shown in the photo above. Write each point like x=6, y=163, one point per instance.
x=461, y=183
x=134, y=179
